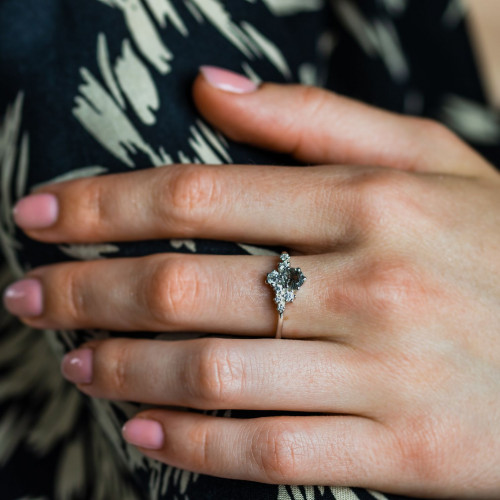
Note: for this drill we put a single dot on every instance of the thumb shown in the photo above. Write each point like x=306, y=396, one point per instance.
x=317, y=126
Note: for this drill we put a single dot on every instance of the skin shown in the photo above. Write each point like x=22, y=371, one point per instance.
x=484, y=26
x=394, y=337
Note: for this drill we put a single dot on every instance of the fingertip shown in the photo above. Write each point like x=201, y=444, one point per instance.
x=77, y=366
x=218, y=91
x=144, y=433
x=36, y=211
x=246, y=117
x=227, y=81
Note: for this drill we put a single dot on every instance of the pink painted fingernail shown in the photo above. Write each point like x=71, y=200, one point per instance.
x=37, y=211
x=76, y=366
x=24, y=298
x=228, y=80
x=144, y=433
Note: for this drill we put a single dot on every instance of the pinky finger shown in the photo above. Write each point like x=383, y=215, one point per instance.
x=316, y=450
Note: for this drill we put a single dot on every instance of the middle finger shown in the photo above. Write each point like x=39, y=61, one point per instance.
x=257, y=374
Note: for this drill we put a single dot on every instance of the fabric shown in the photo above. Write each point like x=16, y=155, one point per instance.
x=99, y=86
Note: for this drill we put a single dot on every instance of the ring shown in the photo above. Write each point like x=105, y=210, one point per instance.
x=285, y=281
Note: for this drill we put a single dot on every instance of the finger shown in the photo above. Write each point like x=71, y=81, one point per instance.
x=175, y=292
x=212, y=374
x=337, y=451
x=317, y=126
x=252, y=204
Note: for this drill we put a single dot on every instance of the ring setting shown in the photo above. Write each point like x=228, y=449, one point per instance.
x=285, y=281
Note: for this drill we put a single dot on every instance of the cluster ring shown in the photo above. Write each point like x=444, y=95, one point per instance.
x=285, y=282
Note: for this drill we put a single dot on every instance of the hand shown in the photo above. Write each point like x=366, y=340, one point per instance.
x=394, y=337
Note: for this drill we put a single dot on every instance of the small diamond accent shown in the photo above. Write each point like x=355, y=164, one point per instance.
x=285, y=282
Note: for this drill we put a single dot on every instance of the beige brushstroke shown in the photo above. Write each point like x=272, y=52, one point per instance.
x=289, y=7
x=137, y=84
x=163, y=10
x=144, y=32
x=106, y=122
x=104, y=63
x=269, y=48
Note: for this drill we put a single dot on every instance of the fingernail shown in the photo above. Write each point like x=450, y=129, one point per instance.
x=228, y=80
x=24, y=298
x=76, y=366
x=37, y=211
x=144, y=433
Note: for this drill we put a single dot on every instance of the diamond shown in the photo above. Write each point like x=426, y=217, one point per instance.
x=285, y=282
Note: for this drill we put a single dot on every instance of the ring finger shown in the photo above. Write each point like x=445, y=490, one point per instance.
x=174, y=292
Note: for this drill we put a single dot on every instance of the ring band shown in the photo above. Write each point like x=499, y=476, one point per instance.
x=285, y=281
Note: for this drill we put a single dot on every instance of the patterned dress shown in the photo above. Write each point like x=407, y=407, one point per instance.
x=89, y=87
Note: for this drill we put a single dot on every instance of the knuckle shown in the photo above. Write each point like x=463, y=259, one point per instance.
x=384, y=198
x=311, y=98
x=311, y=101
x=201, y=444
x=216, y=377
x=421, y=451
x=340, y=298
x=392, y=287
x=435, y=131
x=172, y=291
x=75, y=304
x=113, y=355
x=275, y=451
x=375, y=189
x=92, y=207
x=193, y=193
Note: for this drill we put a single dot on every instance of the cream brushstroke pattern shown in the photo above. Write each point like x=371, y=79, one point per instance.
x=253, y=250
x=377, y=39
x=104, y=63
x=454, y=13
x=357, y=25
x=391, y=51
x=14, y=165
x=377, y=495
x=88, y=251
x=144, y=33
x=396, y=7
x=178, y=244
x=474, y=121
x=22, y=166
x=316, y=73
x=99, y=114
x=163, y=10
x=290, y=7
x=215, y=140
x=202, y=149
x=137, y=84
x=10, y=133
x=251, y=73
x=268, y=48
x=102, y=111
x=35, y=375
x=217, y=14
x=318, y=492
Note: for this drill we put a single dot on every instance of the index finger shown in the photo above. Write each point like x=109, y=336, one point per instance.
x=319, y=126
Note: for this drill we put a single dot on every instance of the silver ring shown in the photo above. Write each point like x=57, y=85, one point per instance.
x=285, y=281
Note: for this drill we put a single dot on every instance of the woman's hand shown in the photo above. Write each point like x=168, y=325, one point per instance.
x=395, y=336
